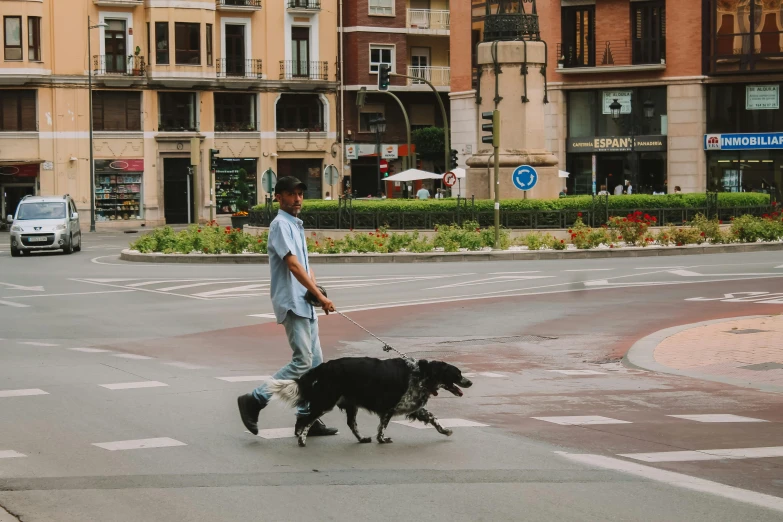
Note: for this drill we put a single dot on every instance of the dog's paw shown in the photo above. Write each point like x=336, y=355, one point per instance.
x=302, y=442
x=447, y=432
x=365, y=440
x=384, y=440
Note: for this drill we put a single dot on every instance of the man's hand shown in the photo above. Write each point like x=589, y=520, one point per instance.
x=326, y=304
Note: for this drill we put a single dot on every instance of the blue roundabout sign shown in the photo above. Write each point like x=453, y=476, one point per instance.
x=524, y=177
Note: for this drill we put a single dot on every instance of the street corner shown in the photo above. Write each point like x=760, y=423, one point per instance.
x=744, y=351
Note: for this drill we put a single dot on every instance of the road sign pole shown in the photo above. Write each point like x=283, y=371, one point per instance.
x=497, y=196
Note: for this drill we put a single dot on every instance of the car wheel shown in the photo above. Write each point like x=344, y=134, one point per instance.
x=68, y=246
x=15, y=252
x=78, y=248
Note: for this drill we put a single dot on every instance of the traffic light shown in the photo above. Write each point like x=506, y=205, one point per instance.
x=493, y=128
x=454, y=160
x=383, y=76
x=213, y=158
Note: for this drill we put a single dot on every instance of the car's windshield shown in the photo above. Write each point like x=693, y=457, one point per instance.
x=41, y=210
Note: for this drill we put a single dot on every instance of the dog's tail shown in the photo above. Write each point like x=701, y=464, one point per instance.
x=286, y=390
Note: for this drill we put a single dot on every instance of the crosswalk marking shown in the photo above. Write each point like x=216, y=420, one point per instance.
x=717, y=417
x=276, y=433
x=132, y=385
x=185, y=366
x=581, y=420
x=33, y=343
x=89, y=350
x=446, y=423
x=130, y=356
x=245, y=378
x=22, y=393
x=491, y=375
x=120, y=445
x=713, y=454
x=578, y=372
x=10, y=454
x=14, y=305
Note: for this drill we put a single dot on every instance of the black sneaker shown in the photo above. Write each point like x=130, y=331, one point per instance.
x=249, y=408
x=319, y=429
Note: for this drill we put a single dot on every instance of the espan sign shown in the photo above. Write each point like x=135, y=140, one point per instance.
x=617, y=144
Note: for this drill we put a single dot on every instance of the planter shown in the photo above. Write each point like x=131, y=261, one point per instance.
x=239, y=221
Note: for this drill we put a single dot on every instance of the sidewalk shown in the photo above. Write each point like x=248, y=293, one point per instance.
x=744, y=352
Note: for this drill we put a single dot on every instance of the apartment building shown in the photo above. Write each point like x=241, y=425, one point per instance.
x=412, y=37
x=255, y=80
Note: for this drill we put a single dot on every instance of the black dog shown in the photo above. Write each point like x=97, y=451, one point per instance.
x=384, y=387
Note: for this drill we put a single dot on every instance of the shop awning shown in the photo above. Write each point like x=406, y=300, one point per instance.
x=413, y=175
x=459, y=172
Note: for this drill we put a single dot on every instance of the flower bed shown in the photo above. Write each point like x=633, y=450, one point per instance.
x=203, y=239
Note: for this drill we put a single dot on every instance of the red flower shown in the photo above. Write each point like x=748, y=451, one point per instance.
x=619, y=237
x=702, y=234
x=371, y=233
x=199, y=231
x=611, y=246
x=205, y=250
x=313, y=233
x=377, y=230
x=478, y=229
x=570, y=231
x=654, y=219
x=562, y=240
x=228, y=228
x=579, y=214
x=259, y=240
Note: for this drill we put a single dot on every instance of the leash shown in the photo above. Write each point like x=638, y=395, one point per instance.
x=386, y=346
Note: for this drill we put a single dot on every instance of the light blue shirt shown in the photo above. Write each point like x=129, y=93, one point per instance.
x=286, y=234
x=423, y=193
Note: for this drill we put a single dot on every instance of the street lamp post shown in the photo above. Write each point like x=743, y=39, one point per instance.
x=89, y=88
x=648, y=111
x=378, y=126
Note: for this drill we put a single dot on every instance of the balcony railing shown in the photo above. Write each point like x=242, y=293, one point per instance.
x=310, y=5
x=118, y=3
x=429, y=19
x=613, y=53
x=252, y=4
x=236, y=126
x=238, y=68
x=111, y=65
x=438, y=76
x=303, y=70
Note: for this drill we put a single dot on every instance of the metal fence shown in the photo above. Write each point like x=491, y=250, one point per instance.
x=596, y=215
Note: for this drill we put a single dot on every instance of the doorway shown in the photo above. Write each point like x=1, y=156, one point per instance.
x=420, y=62
x=235, y=50
x=115, y=47
x=177, y=191
x=420, y=14
x=12, y=195
x=300, y=51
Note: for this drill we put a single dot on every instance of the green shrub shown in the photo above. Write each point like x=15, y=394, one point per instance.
x=749, y=229
x=584, y=237
x=207, y=239
x=686, y=236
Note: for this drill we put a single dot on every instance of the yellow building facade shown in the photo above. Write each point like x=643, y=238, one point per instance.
x=172, y=80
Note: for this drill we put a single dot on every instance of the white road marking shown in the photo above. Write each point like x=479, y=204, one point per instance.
x=578, y=372
x=490, y=281
x=111, y=280
x=678, y=480
x=159, y=281
x=581, y=420
x=130, y=356
x=68, y=294
x=232, y=290
x=589, y=270
x=660, y=267
x=10, y=454
x=245, y=378
x=716, y=454
x=33, y=343
x=205, y=283
x=688, y=273
x=485, y=374
x=90, y=350
x=446, y=423
x=506, y=273
x=276, y=433
x=133, y=385
x=22, y=393
x=25, y=288
x=185, y=366
x=15, y=305
x=717, y=417
x=162, y=442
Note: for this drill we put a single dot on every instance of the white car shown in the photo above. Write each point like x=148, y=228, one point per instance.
x=45, y=223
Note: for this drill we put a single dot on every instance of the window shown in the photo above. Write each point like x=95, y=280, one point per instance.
x=728, y=112
x=300, y=113
x=745, y=36
x=381, y=54
x=162, y=43
x=370, y=112
x=382, y=7
x=578, y=48
x=235, y=112
x=13, y=37
x=209, y=44
x=177, y=111
x=34, y=38
x=18, y=111
x=187, y=43
x=116, y=111
x=649, y=32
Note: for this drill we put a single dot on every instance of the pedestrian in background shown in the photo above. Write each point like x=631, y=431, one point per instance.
x=423, y=193
x=603, y=191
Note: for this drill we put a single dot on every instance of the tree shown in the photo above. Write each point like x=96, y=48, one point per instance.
x=429, y=142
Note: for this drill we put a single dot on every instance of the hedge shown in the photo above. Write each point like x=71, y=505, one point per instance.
x=632, y=202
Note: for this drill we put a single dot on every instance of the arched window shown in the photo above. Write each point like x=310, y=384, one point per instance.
x=300, y=113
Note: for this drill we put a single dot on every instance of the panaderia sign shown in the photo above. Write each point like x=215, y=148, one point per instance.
x=617, y=144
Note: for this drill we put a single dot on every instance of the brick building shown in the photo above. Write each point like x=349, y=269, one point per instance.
x=412, y=36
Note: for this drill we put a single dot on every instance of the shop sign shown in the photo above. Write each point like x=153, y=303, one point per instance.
x=352, y=152
x=762, y=97
x=29, y=170
x=750, y=141
x=356, y=150
x=617, y=144
x=389, y=151
x=115, y=166
x=622, y=97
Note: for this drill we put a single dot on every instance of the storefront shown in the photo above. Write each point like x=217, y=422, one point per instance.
x=744, y=150
x=616, y=136
x=236, y=184
x=363, y=159
x=119, y=190
x=16, y=182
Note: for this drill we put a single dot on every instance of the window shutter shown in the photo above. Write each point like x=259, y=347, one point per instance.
x=29, y=113
x=114, y=111
x=97, y=110
x=134, y=111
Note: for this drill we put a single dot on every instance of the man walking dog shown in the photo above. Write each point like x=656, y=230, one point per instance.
x=291, y=278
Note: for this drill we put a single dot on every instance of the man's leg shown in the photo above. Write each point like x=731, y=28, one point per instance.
x=317, y=428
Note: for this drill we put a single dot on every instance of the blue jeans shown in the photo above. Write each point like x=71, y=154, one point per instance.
x=303, y=337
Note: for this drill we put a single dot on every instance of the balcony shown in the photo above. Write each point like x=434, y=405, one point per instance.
x=304, y=5
x=118, y=3
x=428, y=21
x=112, y=65
x=238, y=5
x=234, y=68
x=437, y=76
x=612, y=56
x=300, y=70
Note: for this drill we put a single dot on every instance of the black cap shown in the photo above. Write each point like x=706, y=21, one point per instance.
x=288, y=184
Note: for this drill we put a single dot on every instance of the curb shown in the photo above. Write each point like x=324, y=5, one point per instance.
x=641, y=356
x=451, y=257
